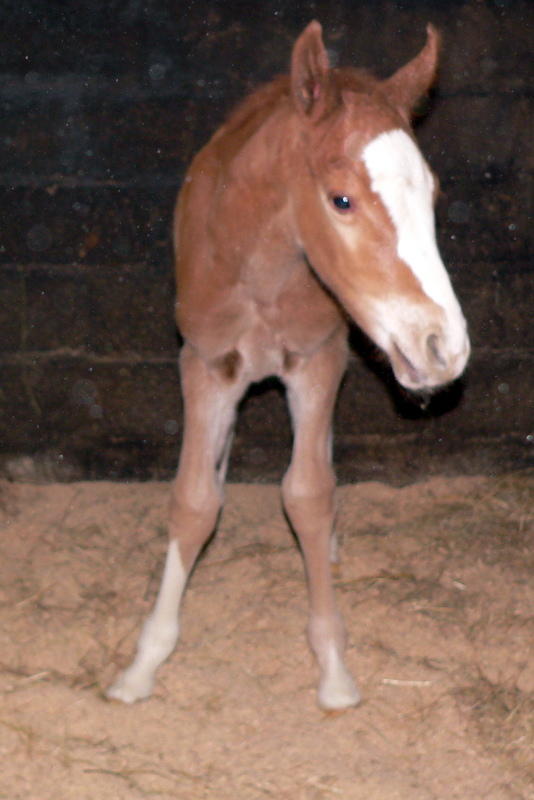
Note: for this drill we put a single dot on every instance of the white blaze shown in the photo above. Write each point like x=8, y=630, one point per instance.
x=404, y=183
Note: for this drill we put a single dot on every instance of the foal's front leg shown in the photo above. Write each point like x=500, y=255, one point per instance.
x=209, y=410
x=308, y=493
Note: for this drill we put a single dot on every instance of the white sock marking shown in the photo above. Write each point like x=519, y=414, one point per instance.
x=337, y=689
x=159, y=635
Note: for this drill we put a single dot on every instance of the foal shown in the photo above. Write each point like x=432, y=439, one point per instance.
x=311, y=202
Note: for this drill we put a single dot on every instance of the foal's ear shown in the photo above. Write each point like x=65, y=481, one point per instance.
x=310, y=72
x=412, y=81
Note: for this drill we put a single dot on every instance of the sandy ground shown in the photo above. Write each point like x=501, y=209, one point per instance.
x=437, y=590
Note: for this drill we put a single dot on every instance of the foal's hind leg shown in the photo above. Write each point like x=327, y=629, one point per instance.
x=210, y=399
x=308, y=494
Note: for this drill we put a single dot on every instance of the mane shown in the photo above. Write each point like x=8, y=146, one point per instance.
x=252, y=111
x=359, y=81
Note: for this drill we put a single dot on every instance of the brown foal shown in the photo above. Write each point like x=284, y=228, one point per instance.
x=311, y=204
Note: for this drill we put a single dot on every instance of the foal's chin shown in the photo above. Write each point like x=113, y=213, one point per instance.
x=421, y=393
x=421, y=385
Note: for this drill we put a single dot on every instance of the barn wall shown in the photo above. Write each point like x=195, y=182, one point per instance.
x=102, y=107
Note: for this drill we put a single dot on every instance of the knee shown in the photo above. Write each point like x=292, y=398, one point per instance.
x=310, y=499
x=312, y=485
x=192, y=519
x=201, y=496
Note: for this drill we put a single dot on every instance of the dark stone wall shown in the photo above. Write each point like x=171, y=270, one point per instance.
x=102, y=107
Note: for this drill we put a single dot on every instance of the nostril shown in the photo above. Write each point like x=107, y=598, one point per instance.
x=432, y=345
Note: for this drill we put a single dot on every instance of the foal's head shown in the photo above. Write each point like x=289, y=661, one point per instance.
x=363, y=198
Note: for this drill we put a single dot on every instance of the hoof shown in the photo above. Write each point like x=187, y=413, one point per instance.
x=130, y=687
x=336, y=693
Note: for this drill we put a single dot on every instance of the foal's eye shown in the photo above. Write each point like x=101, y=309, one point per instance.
x=342, y=203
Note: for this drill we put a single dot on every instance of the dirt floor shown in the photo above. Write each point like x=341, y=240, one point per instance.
x=437, y=590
